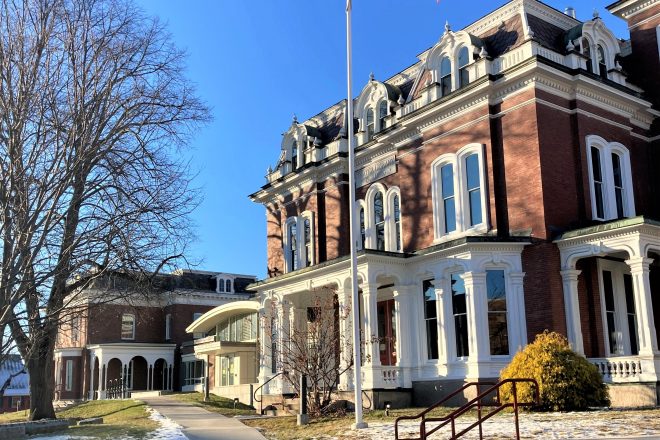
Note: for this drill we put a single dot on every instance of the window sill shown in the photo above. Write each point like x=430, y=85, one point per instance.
x=475, y=230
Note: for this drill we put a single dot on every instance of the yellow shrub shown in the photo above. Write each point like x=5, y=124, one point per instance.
x=567, y=381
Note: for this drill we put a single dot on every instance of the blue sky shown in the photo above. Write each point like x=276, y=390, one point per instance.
x=256, y=63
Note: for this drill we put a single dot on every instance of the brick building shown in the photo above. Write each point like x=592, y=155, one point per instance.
x=120, y=333
x=14, y=384
x=507, y=184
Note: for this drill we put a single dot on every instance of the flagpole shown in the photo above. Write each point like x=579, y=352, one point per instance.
x=357, y=376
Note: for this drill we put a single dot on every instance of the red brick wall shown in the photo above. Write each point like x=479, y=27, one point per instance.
x=5, y=404
x=645, y=58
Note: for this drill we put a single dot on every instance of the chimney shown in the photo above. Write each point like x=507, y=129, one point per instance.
x=570, y=11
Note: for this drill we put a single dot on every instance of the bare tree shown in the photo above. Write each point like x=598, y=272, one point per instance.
x=94, y=108
x=312, y=347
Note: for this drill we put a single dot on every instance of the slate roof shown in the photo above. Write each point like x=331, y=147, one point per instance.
x=20, y=384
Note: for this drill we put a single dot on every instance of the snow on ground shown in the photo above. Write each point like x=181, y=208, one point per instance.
x=169, y=430
x=577, y=425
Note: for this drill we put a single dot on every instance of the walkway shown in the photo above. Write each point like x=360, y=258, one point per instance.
x=200, y=424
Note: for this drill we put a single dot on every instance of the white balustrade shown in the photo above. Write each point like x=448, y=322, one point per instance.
x=619, y=369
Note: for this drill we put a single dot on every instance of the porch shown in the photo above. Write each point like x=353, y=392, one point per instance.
x=611, y=283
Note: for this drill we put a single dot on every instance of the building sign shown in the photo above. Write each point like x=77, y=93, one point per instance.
x=375, y=171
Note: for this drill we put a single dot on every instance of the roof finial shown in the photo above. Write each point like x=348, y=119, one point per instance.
x=447, y=27
x=596, y=14
x=295, y=119
x=372, y=77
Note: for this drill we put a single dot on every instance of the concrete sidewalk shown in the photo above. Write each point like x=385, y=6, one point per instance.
x=200, y=424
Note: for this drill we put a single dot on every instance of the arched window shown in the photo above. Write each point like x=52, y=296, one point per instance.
x=397, y=224
x=586, y=51
x=363, y=234
x=448, y=198
x=309, y=258
x=370, y=124
x=293, y=246
x=445, y=76
x=221, y=285
x=474, y=188
x=463, y=61
x=382, y=114
x=294, y=155
x=228, y=286
x=379, y=221
x=610, y=179
x=602, y=64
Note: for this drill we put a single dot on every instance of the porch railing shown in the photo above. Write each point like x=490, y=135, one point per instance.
x=619, y=368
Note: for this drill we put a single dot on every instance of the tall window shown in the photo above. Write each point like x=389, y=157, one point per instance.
x=397, y=224
x=610, y=179
x=379, y=221
x=610, y=311
x=370, y=124
x=617, y=172
x=168, y=326
x=430, y=319
x=75, y=328
x=127, y=326
x=474, y=188
x=197, y=335
x=308, y=242
x=228, y=286
x=597, y=182
x=294, y=155
x=293, y=246
x=459, y=203
x=463, y=61
x=363, y=235
x=618, y=303
x=445, y=76
x=448, y=198
x=68, y=376
x=221, y=285
x=586, y=51
x=382, y=114
x=459, y=308
x=602, y=65
x=497, y=323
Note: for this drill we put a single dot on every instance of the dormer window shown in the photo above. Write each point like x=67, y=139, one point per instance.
x=221, y=285
x=586, y=51
x=382, y=114
x=228, y=286
x=370, y=125
x=463, y=61
x=294, y=155
x=445, y=75
x=602, y=65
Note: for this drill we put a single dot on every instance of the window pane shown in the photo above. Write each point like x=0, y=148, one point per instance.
x=460, y=315
x=382, y=114
x=445, y=66
x=472, y=168
x=127, y=327
x=449, y=203
x=380, y=237
x=447, y=179
x=475, y=207
x=294, y=155
x=595, y=164
x=445, y=76
x=597, y=182
x=463, y=57
x=497, y=319
x=630, y=312
x=370, y=123
x=362, y=231
x=397, y=223
x=474, y=188
x=228, y=285
x=608, y=290
x=618, y=184
x=450, y=215
x=378, y=208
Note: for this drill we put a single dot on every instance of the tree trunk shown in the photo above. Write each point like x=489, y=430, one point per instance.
x=42, y=384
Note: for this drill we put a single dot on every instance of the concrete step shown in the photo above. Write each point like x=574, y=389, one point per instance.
x=147, y=394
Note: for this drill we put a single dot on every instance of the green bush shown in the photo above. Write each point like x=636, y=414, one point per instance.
x=567, y=381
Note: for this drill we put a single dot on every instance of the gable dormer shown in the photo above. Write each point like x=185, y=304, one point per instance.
x=374, y=107
x=598, y=46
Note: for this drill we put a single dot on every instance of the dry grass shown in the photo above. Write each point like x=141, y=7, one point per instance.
x=217, y=404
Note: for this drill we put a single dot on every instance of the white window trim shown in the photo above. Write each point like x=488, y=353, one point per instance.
x=388, y=213
x=390, y=226
x=68, y=375
x=511, y=320
x=460, y=194
x=617, y=269
x=133, y=327
x=609, y=198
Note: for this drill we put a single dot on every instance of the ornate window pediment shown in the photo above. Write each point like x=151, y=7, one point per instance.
x=597, y=44
x=374, y=105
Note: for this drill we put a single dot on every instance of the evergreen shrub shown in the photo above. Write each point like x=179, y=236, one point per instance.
x=567, y=381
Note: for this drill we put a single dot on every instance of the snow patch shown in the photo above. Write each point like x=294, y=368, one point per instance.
x=169, y=430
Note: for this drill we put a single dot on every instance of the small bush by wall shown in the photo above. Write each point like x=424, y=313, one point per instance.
x=567, y=381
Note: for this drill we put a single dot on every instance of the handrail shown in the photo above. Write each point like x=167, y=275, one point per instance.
x=369, y=399
x=260, y=388
x=477, y=401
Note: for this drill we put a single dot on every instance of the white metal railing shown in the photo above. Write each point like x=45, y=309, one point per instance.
x=619, y=368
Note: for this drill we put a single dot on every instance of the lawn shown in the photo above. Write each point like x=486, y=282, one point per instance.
x=217, y=404
x=121, y=418
x=281, y=428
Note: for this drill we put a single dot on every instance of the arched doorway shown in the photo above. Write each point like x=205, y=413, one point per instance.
x=139, y=373
x=159, y=375
x=114, y=379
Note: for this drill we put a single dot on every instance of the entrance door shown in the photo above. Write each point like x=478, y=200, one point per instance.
x=227, y=370
x=387, y=332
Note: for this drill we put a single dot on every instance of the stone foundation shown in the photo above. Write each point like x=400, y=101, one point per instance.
x=633, y=395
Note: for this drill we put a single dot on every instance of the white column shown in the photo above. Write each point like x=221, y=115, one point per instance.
x=100, y=382
x=640, y=270
x=370, y=298
x=346, y=337
x=516, y=312
x=405, y=330
x=477, y=317
x=92, y=359
x=569, y=279
x=284, y=335
x=445, y=317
